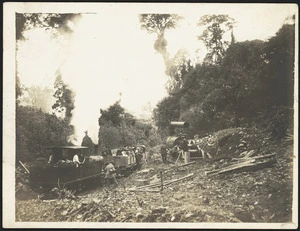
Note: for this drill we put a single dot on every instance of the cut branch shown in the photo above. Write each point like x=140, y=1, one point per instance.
x=24, y=167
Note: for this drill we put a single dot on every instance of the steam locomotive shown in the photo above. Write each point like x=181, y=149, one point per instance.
x=178, y=130
x=63, y=171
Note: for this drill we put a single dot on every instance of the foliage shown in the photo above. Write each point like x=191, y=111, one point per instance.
x=168, y=109
x=36, y=129
x=113, y=114
x=56, y=24
x=279, y=53
x=109, y=136
x=251, y=84
x=64, y=99
x=244, y=72
x=61, y=192
x=158, y=23
x=212, y=36
x=119, y=128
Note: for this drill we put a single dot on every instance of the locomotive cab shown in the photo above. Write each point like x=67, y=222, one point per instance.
x=60, y=168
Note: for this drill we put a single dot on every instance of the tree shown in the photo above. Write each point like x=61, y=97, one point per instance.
x=64, y=99
x=244, y=71
x=158, y=24
x=216, y=26
x=36, y=129
x=279, y=54
x=56, y=24
x=167, y=109
x=113, y=114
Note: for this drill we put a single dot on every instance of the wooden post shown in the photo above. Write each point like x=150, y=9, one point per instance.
x=178, y=157
x=186, y=157
x=161, y=180
x=162, y=186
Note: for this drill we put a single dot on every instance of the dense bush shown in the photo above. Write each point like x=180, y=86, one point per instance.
x=36, y=129
x=253, y=83
x=119, y=128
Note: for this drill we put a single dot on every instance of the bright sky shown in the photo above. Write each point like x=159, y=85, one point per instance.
x=108, y=53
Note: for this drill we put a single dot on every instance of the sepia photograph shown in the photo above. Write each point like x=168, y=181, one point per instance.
x=150, y=115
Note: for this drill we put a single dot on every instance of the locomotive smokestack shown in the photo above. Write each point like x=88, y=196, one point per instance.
x=177, y=124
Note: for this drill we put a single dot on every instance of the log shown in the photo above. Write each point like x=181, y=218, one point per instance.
x=24, y=167
x=255, y=157
x=230, y=166
x=193, y=162
x=243, y=167
x=143, y=190
x=179, y=179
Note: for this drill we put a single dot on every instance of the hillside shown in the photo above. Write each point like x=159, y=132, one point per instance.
x=256, y=195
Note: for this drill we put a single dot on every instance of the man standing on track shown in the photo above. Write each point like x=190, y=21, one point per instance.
x=184, y=147
x=110, y=173
x=164, y=152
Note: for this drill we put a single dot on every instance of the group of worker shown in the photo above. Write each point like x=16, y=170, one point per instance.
x=76, y=159
x=182, y=146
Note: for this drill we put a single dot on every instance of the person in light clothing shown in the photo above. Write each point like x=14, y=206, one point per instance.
x=110, y=173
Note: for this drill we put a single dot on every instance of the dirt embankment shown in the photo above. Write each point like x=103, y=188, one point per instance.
x=251, y=194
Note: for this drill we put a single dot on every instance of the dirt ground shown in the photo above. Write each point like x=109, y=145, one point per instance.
x=256, y=195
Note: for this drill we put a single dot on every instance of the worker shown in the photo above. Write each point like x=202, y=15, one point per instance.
x=164, y=152
x=184, y=148
x=76, y=160
x=174, y=151
x=51, y=160
x=210, y=141
x=110, y=173
x=139, y=158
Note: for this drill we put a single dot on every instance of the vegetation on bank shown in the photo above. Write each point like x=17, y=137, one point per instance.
x=252, y=85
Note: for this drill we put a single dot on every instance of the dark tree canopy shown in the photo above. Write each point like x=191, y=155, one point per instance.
x=113, y=114
x=279, y=53
x=58, y=23
x=119, y=128
x=158, y=23
x=252, y=83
